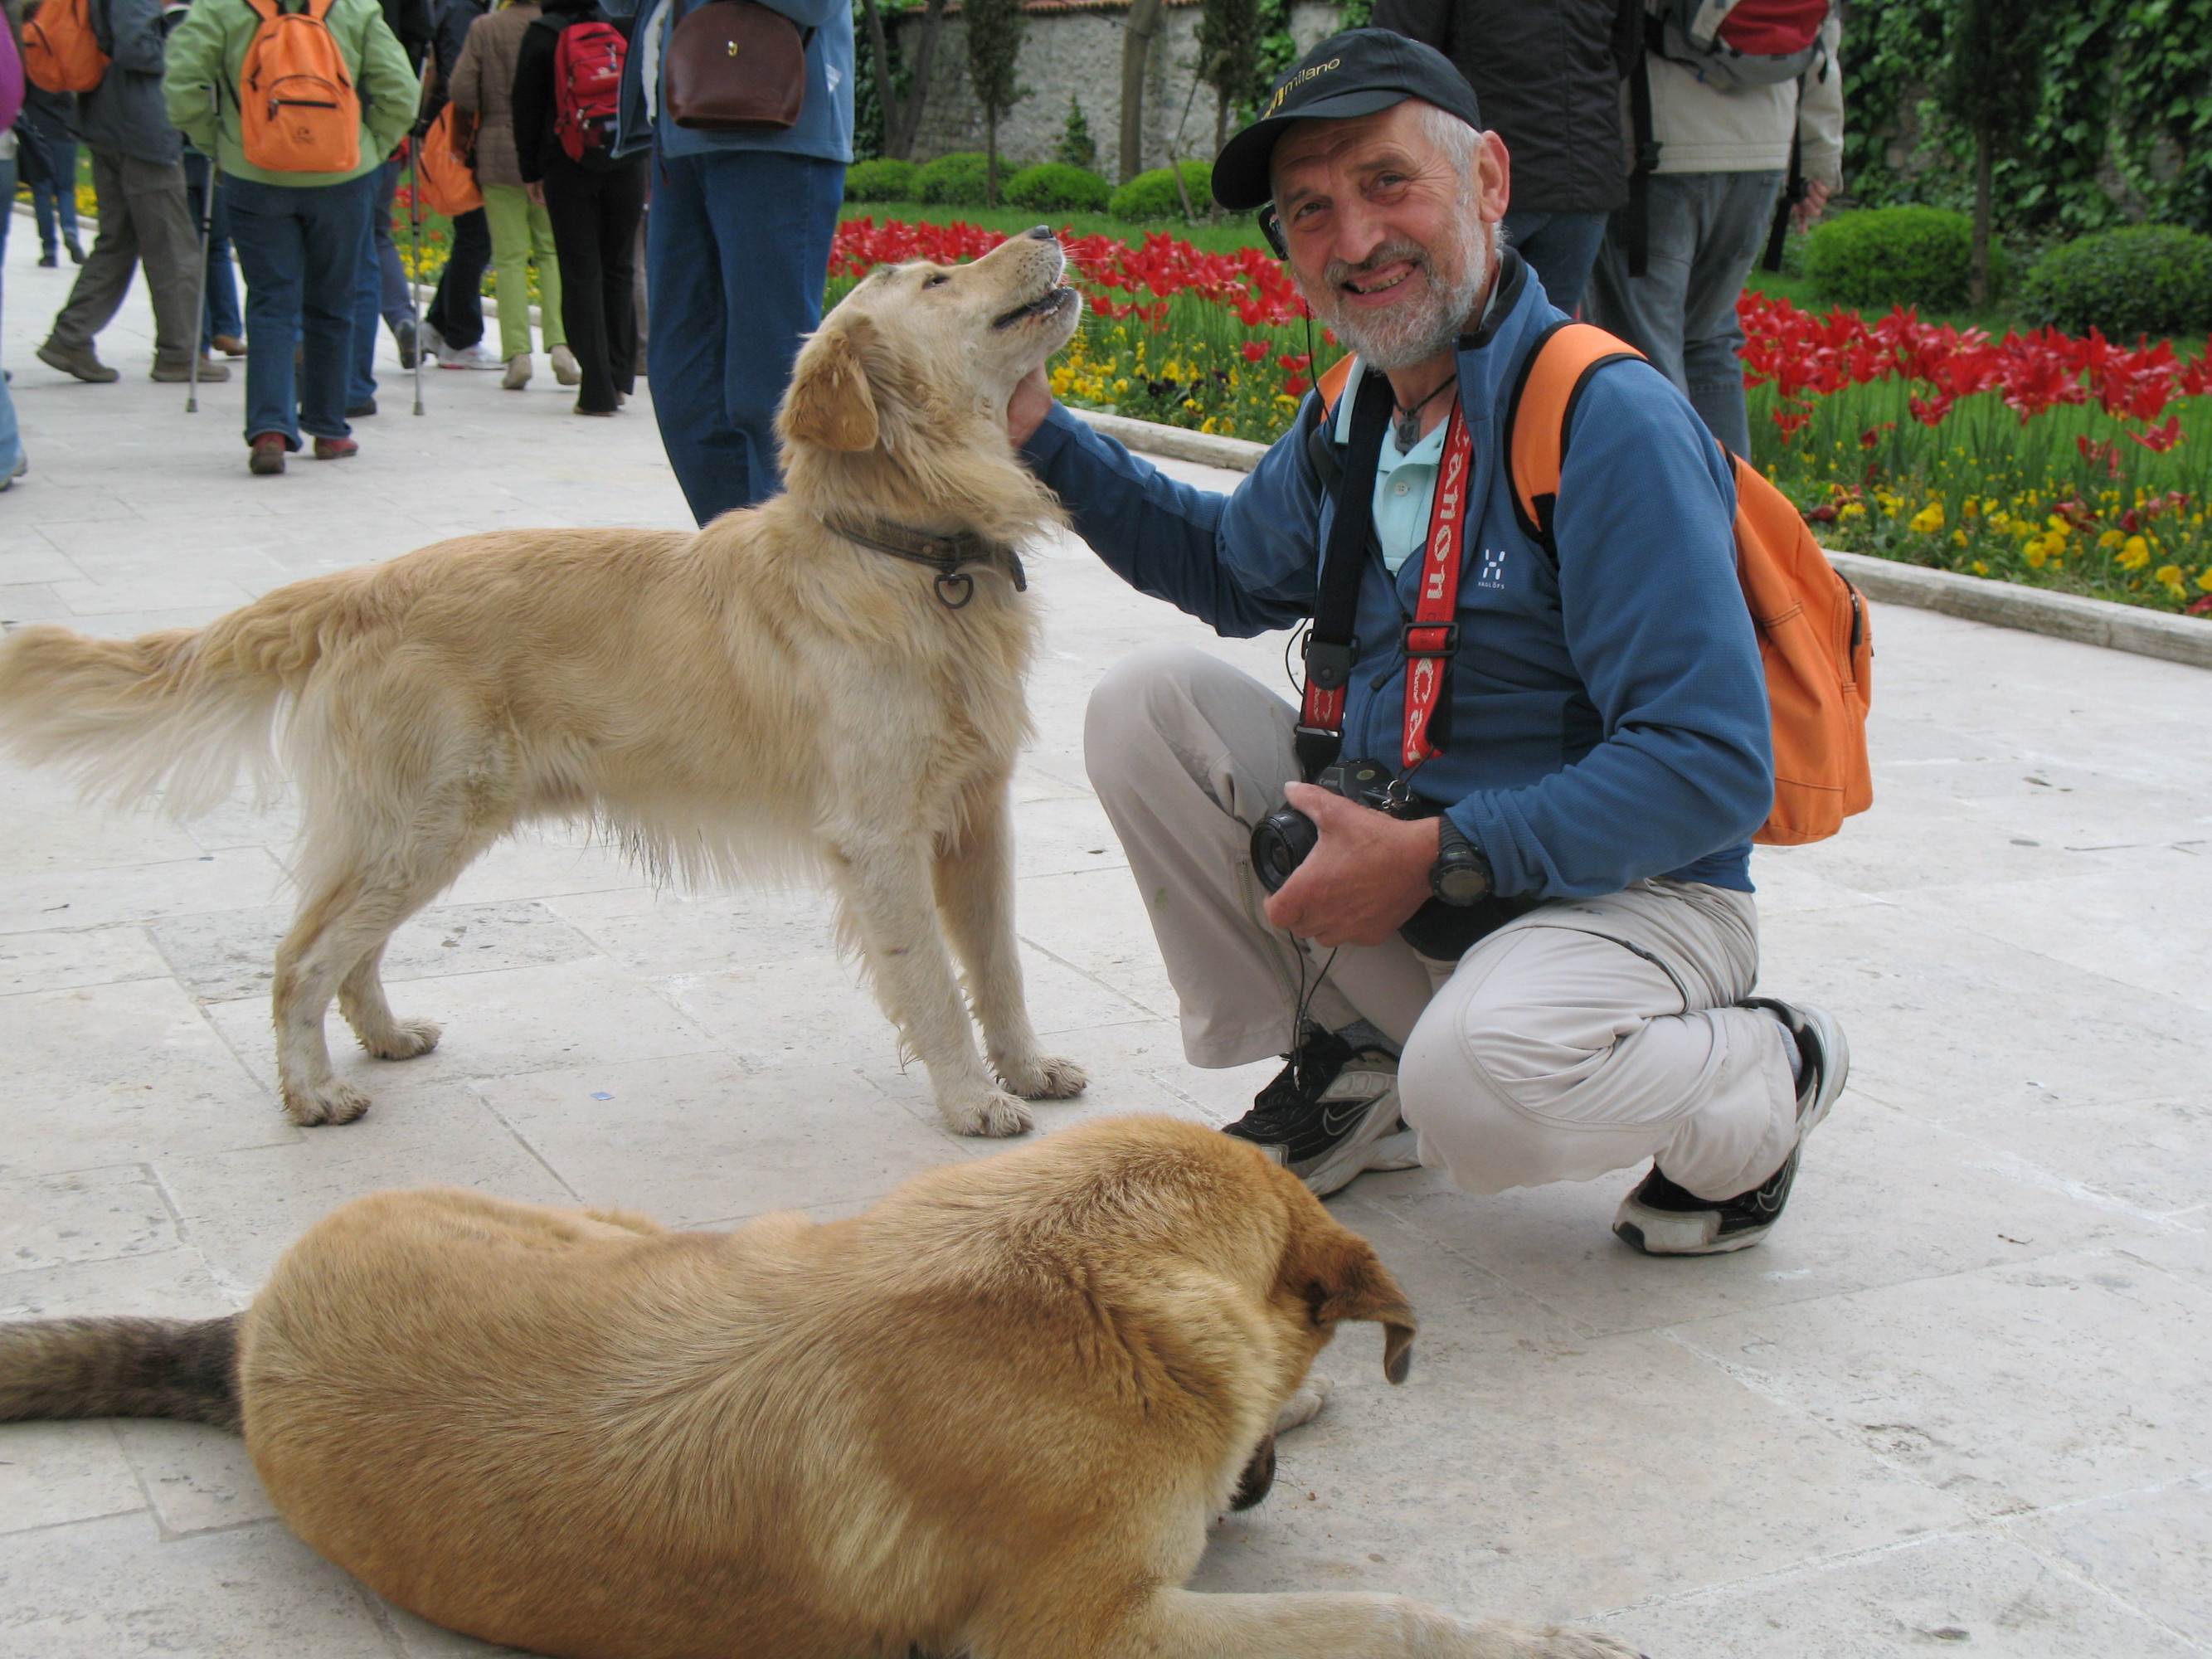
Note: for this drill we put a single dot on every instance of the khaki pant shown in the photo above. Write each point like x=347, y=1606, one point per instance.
x=1586, y=1036
x=144, y=219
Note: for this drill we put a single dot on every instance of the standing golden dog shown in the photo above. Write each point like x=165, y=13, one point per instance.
x=829, y=684
x=989, y=1418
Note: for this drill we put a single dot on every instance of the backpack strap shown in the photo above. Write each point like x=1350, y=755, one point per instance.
x=1552, y=377
x=1321, y=446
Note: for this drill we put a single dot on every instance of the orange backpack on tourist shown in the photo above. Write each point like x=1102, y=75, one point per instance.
x=61, y=52
x=444, y=180
x=298, y=111
x=1815, y=641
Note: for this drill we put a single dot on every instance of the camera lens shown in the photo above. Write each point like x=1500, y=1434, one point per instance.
x=1280, y=842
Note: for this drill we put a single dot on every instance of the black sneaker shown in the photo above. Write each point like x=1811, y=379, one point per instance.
x=1330, y=1115
x=1660, y=1219
x=405, y=336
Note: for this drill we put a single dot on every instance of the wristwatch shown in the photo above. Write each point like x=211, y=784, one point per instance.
x=1461, y=874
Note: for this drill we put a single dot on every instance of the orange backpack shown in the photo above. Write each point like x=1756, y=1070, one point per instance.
x=444, y=180
x=1815, y=640
x=61, y=52
x=298, y=111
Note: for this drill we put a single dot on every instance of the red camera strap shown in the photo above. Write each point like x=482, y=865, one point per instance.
x=1433, y=635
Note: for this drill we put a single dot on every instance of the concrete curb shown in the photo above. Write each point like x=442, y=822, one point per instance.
x=2005, y=604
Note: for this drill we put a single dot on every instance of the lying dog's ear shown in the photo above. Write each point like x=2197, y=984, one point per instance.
x=829, y=401
x=1341, y=1278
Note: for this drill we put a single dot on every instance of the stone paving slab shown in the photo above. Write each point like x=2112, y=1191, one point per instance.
x=1959, y=1402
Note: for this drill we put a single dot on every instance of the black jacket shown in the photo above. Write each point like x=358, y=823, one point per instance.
x=1547, y=75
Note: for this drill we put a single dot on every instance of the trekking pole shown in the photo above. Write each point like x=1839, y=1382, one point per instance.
x=415, y=257
x=200, y=287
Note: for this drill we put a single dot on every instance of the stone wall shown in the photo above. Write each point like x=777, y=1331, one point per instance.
x=1073, y=49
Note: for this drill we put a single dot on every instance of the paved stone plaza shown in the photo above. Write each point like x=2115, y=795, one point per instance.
x=1961, y=1401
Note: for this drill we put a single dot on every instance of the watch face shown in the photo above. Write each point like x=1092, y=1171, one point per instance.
x=1462, y=885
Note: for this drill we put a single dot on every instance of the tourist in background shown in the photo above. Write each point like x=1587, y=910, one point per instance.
x=483, y=84
x=455, y=319
x=46, y=160
x=737, y=253
x=383, y=293
x=221, y=328
x=299, y=234
x=138, y=178
x=13, y=83
x=594, y=200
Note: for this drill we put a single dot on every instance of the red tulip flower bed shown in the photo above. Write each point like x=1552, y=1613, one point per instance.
x=2038, y=458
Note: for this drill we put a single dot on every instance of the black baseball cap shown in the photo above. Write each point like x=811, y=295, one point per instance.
x=1355, y=73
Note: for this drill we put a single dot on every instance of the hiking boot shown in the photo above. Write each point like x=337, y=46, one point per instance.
x=403, y=336
x=1660, y=1219
x=75, y=250
x=48, y=260
x=1331, y=1114
x=335, y=449
x=266, y=458
x=360, y=410
x=211, y=373
x=22, y=466
x=229, y=344
x=566, y=369
x=518, y=372
x=79, y=361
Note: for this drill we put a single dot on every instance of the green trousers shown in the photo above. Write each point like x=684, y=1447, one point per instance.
x=520, y=232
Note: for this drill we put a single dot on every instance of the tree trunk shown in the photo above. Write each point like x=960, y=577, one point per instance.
x=881, y=51
x=990, y=158
x=1136, y=43
x=1978, y=268
x=917, y=94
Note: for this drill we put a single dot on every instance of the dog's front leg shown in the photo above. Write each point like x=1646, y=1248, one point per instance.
x=975, y=896
x=884, y=884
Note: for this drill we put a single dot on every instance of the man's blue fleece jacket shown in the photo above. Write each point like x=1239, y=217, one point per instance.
x=1610, y=717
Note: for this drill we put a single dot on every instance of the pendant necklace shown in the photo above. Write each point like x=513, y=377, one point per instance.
x=1407, y=423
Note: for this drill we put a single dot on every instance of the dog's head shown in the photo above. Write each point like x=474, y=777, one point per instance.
x=904, y=386
x=1328, y=1273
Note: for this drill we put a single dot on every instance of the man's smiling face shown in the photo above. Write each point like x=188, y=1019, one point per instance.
x=1389, y=243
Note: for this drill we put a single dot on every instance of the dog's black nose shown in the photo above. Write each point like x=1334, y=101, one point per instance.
x=1041, y=232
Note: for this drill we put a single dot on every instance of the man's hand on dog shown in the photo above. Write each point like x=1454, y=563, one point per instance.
x=1031, y=403
x=1365, y=875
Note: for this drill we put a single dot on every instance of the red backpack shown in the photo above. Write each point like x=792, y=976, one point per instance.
x=1745, y=43
x=587, y=67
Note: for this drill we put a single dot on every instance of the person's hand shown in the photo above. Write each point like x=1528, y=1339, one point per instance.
x=536, y=192
x=1368, y=873
x=1809, y=210
x=1026, y=409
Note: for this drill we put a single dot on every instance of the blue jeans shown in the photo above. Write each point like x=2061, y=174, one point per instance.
x=383, y=290
x=11, y=439
x=300, y=248
x=737, y=252
x=54, y=200
x=220, y=314
x=1559, y=247
x=1705, y=230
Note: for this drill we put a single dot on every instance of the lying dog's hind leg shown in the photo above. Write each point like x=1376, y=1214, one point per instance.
x=975, y=883
x=885, y=886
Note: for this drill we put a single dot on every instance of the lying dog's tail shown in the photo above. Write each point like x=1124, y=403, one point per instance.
x=175, y=714
x=67, y=1368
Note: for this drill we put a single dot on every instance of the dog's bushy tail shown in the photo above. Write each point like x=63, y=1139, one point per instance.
x=71, y=1368
x=173, y=715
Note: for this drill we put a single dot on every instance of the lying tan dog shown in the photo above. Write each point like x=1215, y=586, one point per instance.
x=989, y=1417
x=828, y=685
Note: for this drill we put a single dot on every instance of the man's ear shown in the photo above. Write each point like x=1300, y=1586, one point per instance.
x=829, y=401
x=1341, y=1277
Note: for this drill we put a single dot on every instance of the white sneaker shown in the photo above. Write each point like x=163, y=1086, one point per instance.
x=475, y=356
x=566, y=369
x=518, y=372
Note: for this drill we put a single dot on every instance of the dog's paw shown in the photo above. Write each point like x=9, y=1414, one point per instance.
x=327, y=1103
x=1306, y=1405
x=405, y=1039
x=1046, y=1077
x=990, y=1114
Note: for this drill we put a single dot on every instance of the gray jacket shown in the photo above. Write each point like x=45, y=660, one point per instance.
x=126, y=112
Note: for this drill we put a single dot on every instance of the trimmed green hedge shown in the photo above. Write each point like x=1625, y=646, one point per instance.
x=2145, y=279
x=883, y=180
x=955, y=180
x=1153, y=195
x=1896, y=256
x=1056, y=187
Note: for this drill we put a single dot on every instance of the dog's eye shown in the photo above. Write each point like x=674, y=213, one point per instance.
x=935, y=279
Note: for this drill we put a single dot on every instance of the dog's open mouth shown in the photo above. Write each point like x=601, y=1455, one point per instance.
x=1050, y=303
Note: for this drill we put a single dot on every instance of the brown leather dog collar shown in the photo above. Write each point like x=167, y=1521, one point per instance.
x=949, y=556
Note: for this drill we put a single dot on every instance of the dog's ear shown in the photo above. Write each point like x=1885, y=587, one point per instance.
x=1341, y=1277
x=829, y=401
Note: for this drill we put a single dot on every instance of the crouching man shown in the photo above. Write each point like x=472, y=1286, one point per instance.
x=1598, y=757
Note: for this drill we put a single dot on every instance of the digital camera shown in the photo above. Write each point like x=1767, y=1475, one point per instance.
x=1281, y=840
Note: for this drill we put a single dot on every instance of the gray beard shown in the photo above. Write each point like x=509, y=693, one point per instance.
x=1421, y=332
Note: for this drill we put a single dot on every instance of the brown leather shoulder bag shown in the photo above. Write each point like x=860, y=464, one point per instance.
x=732, y=66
